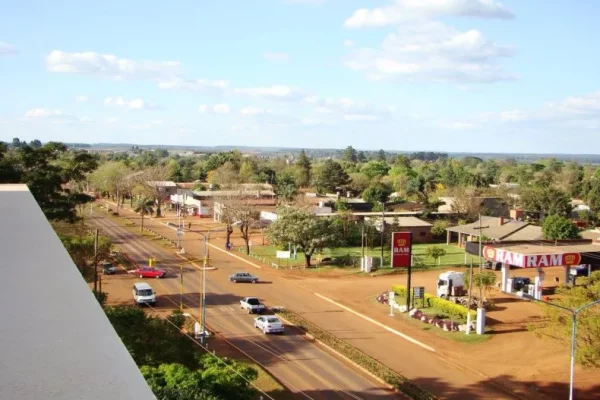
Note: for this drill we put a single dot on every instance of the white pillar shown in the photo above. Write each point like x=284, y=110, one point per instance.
x=505, y=273
x=537, y=290
x=589, y=269
x=480, y=324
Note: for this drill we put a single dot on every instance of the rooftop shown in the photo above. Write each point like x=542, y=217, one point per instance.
x=57, y=343
x=500, y=229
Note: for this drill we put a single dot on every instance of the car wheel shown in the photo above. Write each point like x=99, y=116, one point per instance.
x=158, y=276
x=254, y=281
x=141, y=276
x=249, y=311
x=265, y=331
x=234, y=281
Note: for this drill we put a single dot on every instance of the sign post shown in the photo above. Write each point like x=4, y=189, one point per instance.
x=419, y=293
x=402, y=257
x=391, y=298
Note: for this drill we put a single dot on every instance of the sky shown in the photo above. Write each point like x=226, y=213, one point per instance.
x=434, y=75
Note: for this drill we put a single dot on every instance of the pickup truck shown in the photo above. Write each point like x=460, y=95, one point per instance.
x=252, y=305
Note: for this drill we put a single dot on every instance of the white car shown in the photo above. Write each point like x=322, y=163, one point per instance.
x=252, y=305
x=269, y=324
x=143, y=294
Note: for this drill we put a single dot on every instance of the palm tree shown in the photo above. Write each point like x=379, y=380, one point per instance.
x=144, y=206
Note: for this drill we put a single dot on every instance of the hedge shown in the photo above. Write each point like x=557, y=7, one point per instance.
x=445, y=306
x=367, y=362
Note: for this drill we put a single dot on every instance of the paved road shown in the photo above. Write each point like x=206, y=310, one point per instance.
x=306, y=369
x=427, y=369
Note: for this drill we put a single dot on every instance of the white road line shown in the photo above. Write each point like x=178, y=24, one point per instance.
x=222, y=309
x=231, y=309
x=387, y=328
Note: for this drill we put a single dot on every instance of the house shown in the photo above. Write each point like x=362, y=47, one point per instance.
x=494, y=228
x=186, y=200
x=166, y=188
x=577, y=207
x=57, y=343
x=420, y=229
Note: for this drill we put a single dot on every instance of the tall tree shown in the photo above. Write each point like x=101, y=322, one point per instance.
x=377, y=193
x=304, y=169
x=350, y=154
x=375, y=169
x=143, y=206
x=381, y=156
x=301, y=228
x=330, y=176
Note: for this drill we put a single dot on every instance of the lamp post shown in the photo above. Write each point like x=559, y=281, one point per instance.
x=574, y=313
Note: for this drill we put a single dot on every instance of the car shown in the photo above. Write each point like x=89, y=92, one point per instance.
x=520, y=283
x=252, y=305
x=243, y=277
x=143, y=294
x=148, y=272
x=496, y=266
x=108, y=268
x=269, y=324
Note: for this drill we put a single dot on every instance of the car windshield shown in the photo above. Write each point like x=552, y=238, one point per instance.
x=273, y=320
x=145, y=292
x=253, y=302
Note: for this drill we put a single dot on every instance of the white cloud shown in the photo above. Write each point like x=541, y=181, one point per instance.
x=42, y=113
x=587, y=105
x=7, y=49
x=216, y=109
x=251, y=111
x=221, y=109
x=361, y=117
x=110, y=65
x=136, y=104
x=432, y=51
x=277, y=57
x=178, y=83
x=404, y=10
x=81, y=99
x=513, y=115
x=348, y=43
x=276, y=92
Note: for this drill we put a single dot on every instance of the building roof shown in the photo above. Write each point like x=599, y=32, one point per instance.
x=405, y=222
x=162, y=183
x=219, y=193
x=57, y=343
x=500, y=230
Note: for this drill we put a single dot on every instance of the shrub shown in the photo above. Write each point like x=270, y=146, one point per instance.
x=445, y=306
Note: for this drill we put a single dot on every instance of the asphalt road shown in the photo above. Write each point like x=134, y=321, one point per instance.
x=306, y=369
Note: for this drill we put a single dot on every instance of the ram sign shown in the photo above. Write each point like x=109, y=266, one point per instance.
x=530, y=260
x=401, y=249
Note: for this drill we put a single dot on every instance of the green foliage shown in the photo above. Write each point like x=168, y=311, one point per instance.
x=556, y=227
x=330, y=176
x=301, y=228
x=81, y=250
x=435, y=252
x=150, y=340
x=350, y=155
x=358, y=182
x=304, y=169
x=445, y=306
x=483, y=281
x=377, y=193
x=557, y=323
x=375, y=169
x=286, y=188
x=439, y=227
x=378, y=369
x=547, y=200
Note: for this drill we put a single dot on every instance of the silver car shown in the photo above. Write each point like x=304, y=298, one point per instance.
x=243, y=277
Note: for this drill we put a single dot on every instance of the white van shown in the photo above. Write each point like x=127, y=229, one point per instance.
x=143, y=294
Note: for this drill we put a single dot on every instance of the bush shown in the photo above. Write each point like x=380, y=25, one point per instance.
x=445, y=306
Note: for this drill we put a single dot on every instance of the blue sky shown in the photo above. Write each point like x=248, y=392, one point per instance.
x=444, y=75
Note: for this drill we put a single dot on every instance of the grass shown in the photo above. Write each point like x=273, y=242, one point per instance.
x=346, y=257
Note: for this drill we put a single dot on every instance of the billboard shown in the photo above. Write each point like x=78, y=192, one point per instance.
x=401, y=249
x=530, y=260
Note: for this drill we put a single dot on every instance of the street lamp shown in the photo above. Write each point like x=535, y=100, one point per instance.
x=574, y=313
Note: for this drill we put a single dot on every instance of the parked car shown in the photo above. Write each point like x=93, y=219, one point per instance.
x=496, y=266
x=147, y=272
x=269, y=324
x=243, y=277
x=520, y=283
x=108, y=268
x=143, y=294
x=252, y=305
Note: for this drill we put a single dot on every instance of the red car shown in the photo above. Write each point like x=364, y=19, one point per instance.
x=147, y=272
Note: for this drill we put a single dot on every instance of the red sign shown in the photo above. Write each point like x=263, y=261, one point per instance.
x=401, y=249
x=531, y=260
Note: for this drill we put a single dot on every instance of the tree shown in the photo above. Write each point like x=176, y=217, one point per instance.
x=226, y=175
x=111, y=177
x=143, y=206
x=377, y=193
x=546, y=200
x=381, y=156
x=435, y=252
x=439, y=227
x=358, y=182
x=304, y=230
x=557, y=227
x=304, y=169
x=152, y=179
x=361, y=156
x=82, y=249
x=482, y=281
x=330, y=176
x=350, y=155
x=375, y=169
x=286, y=188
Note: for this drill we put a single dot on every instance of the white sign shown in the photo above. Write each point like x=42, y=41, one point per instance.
x=392, y=295
x=283, y=254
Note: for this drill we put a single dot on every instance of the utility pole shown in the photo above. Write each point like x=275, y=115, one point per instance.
x=206, y=255
x=480, y=228
x=362, y=240
x=382, y=230
x=96, y=262
x=181, y=287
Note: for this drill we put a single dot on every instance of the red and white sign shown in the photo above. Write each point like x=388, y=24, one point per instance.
x=401, y=249
x=530, y=260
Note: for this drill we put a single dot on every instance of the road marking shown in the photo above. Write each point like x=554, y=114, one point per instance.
x=387, y=328
x=235, y=256
x=231, y=309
